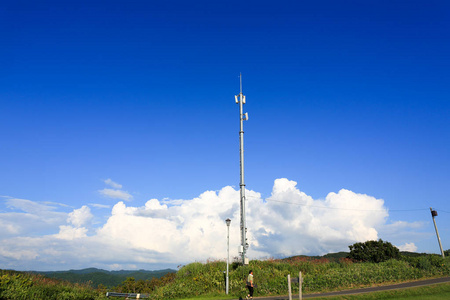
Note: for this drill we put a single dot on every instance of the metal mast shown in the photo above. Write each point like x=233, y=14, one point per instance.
x=240, y=99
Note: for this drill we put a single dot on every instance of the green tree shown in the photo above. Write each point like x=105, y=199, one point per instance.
x=101, y=288
x=373, y=251
x=128, y=286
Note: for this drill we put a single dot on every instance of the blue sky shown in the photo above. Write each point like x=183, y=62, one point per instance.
x=106, y=105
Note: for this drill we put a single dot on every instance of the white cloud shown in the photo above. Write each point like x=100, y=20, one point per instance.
x=403, y=225
x=9, y=227
x=116, y=194
x=404, y=232
x=410, y=247
x=17, y=254
x=289, y=222
x=28, y=206
x=113, y=184
x=80, y=217
x=71, y=233
x=96, y=205
x=25, y=217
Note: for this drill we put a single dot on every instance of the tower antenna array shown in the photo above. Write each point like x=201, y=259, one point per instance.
x=240, y=99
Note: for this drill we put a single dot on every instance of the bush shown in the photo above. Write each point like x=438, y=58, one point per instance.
x=373, y=251
x=428, y=262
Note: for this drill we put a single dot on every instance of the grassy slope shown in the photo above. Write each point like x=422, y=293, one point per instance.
x=207, y=279
x=320, y=275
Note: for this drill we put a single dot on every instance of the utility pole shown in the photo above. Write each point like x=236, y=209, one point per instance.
x=434, y=214
x=240, y=99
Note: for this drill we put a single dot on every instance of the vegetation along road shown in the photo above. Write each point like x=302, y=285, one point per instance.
x=355, y=273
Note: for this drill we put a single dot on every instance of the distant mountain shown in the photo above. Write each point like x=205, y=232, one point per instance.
x=412, y=254
x=329, y=256
x=107, y=278
x=82, y=271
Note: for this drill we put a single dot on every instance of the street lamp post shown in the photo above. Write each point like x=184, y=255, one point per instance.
x=228, y=252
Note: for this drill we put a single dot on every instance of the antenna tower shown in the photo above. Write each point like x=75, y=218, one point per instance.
x=240, y=99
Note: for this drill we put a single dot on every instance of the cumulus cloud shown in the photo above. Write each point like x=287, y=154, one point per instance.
x=185, y=230
x=410, y=247
x=116, y=194
x=71, y=233
x=80, y=217
x=289, y=222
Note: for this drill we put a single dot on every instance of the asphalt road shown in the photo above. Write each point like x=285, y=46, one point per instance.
x=364, y=290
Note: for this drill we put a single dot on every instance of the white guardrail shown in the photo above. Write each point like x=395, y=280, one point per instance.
x=127, y=295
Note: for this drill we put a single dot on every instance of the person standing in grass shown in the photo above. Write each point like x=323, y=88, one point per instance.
x=250, y=285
